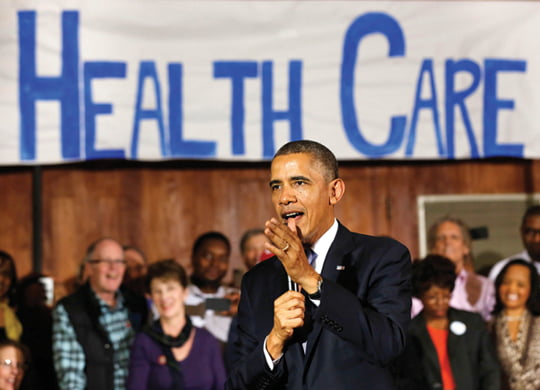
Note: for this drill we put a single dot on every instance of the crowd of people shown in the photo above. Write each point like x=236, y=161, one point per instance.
x=126, y=325
x=469, y=331
x=320, y=307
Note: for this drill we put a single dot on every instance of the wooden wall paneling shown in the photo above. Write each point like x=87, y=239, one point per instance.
x=356, y=209
x=16, y=216
x=166, y=214
x=532, y=176
x=400, y=205
x=67, y=220
x=493, y=177
x=252, y=200
x=131, y=196
x=162, y=209
x=378, y=201
x=62, y=252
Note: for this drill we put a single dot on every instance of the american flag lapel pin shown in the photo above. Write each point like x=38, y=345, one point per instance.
x=340, y=267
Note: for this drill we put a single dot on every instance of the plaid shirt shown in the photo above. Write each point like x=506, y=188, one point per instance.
x=69, y=358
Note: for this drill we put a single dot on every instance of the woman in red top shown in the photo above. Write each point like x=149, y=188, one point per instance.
x=447, y=349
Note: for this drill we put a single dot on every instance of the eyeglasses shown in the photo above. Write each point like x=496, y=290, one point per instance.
x=8, y=363
x=437, y=298
x=108, y=262
x=530, y=232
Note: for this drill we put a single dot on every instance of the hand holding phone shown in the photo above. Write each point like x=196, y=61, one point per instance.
x=218, y=304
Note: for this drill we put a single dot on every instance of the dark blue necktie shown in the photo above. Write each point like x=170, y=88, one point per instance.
x=311, y=256
x=304, y=331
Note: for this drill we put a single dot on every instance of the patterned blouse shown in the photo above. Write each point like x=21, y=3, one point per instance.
x=520, y=359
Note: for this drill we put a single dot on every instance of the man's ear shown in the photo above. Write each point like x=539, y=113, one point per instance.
x=337, y=189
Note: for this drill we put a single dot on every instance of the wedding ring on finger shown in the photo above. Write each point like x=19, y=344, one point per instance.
x=284, y=249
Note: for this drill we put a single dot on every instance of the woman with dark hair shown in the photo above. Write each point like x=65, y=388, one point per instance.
x=10, y=326
x=516, y=325
x=171, y=353
x=446, y=348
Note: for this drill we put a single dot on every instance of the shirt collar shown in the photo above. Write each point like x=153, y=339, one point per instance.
x=102, y=304
x=322, y=246
x=462, y=274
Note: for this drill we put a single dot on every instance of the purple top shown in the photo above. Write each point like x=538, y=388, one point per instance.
x=203, y=369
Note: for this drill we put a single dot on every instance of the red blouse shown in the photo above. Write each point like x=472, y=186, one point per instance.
x=439, y=337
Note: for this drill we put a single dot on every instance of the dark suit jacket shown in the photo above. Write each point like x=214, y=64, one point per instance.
x=472, y=356
x=358, y=328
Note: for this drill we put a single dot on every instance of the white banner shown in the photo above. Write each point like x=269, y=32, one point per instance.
x=155, y=80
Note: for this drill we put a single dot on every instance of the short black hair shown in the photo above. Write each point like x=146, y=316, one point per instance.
x=210, y=236
x=533, y=302
x=166, y=269
x=247, y=235
x=531, y=211
x=433, y=270
x=318, y=151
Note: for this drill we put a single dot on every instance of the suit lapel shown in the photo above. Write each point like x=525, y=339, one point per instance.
x=336, y=263
x=455, y=348
x=419, y=328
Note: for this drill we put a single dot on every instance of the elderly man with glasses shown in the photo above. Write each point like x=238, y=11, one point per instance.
x=93, y=328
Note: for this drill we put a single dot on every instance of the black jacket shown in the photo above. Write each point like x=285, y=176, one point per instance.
x=358, y=328
x=472, y=356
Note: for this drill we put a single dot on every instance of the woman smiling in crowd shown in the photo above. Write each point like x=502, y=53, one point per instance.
x=516, y=325
x=13, y=364
x=172, y=354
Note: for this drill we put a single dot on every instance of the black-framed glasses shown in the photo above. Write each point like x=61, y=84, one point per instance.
x=8, y=363
x=119, y=262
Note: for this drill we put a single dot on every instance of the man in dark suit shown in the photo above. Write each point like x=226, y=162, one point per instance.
x=348, y=318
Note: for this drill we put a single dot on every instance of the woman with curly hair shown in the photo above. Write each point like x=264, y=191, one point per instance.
x=516, y=325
